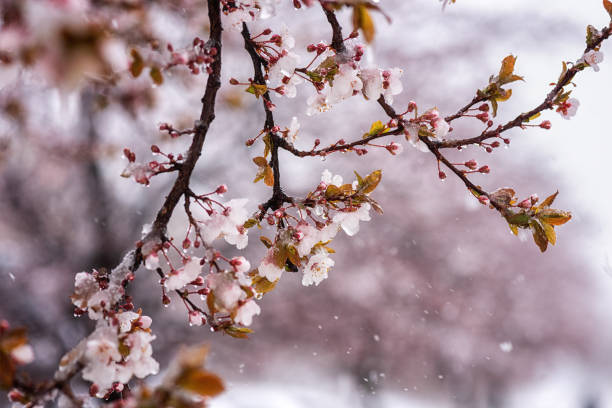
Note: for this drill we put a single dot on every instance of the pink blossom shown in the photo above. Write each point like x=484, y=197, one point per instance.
x=181, y=277
x=245, y=313
x=349, y=220
x=226, y=289
x=317, y=268
x=268, y=268
x=592, y=58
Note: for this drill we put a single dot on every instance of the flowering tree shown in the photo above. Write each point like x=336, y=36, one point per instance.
x=220, y=290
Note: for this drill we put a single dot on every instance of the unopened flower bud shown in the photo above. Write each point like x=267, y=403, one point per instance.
x=526, y=203
x=484, y=169
x=221, y=189
x=484, y=107
x=546, y=124
x=233, y=81
x=471, y=164
x=483, y=199
x=441, y=175
x=412, y=105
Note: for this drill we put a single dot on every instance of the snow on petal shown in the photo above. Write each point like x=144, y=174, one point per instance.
x=268, y=268
x=245, y=313
x=226, y=290
x=349, y=221
x=181, y=277
x=317, y=268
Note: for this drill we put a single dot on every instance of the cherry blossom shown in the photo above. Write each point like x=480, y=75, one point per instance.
x=268, y=267
x=592, y=58
x=240, y=264
x=226, y=290
x=346, y=83
x=317, y=268
x=309, y=237
x=181, y=277
x=568, y=108
x=317, y=103
x=196, y=318
x=349, y=220
x=293, y=130
x=141, y=172
x=377, y=82
x=23, y=354
x=245, y=313
x=284, y=67
x=329, y=179
x=228, y=224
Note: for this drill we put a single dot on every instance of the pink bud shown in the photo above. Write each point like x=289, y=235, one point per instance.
x=546, y=124
x=484, y=169
x=441, y=175
x=526, y=203
x=221, y=189
x=412, y=105
x=483, y=199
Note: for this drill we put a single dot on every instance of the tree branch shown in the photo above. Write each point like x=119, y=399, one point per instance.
x=278, y=196
x=201, y=127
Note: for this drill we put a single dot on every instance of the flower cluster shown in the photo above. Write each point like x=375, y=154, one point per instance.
x=120, y=346
x=303, y=243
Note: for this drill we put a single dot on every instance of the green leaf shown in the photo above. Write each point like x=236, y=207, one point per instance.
x=238, y=332
x=377, y=128
x=257, y=89
x=250, y=223
x=519, y=220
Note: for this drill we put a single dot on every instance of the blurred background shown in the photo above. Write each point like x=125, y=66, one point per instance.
x=433, y=304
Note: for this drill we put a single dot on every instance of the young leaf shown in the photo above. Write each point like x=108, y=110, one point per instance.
x=554, y=217
x=549, y=230
x=268, y=176
x=363, y=20
x=371, y=181
x=262, y=285
x=539, y=236
x=156, y=75
x=238, y=332
x=608, y=6
x=201, y=382
x=137, y=64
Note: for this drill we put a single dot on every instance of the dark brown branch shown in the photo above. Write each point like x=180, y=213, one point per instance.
x=460, y=112
x=284, y=144
x=207, y=115
x=278, y=196
x=337, y=39
x=436, y=152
